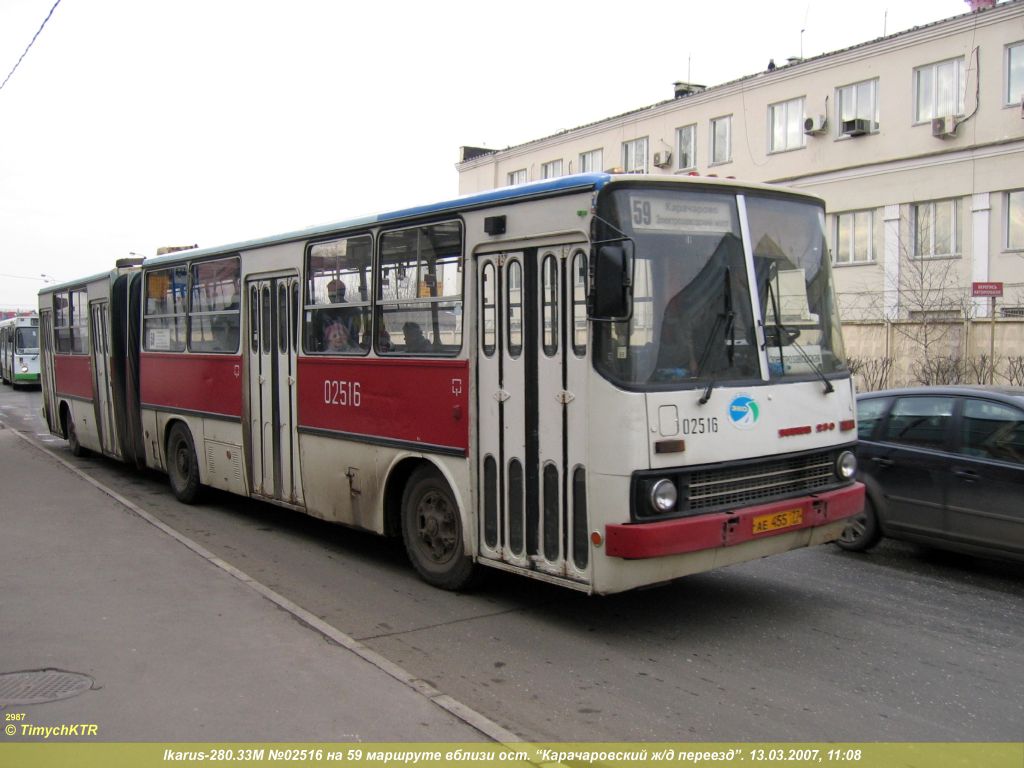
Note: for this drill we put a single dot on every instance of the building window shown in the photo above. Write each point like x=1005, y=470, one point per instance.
x=853, y=238
x=857, y=102
x=938, y=90
x=721, y=140
x=1015, y=220
x=517, y=177
x=591, y=161
x=634, y=156
x=551, y=170
x=787, y=125
x=686, y=146
x=936, y=229
x=1015, y=73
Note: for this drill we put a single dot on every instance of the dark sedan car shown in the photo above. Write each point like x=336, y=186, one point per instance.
x=943, y=466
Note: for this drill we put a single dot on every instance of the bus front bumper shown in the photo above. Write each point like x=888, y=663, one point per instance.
x=636, y=541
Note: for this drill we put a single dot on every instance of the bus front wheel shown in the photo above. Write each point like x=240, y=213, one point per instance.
x=182, y=465
x=432, y=531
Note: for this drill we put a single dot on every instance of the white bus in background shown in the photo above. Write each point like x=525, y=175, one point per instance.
x=19, y=351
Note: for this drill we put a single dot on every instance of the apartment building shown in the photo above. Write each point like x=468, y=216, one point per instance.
x=914, y=140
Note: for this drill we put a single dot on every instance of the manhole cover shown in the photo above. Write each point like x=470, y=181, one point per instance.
x=41, y=686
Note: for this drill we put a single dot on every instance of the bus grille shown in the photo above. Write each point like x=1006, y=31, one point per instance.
x=757, y=483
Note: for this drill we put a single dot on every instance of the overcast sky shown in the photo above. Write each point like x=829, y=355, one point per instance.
x=133, y=124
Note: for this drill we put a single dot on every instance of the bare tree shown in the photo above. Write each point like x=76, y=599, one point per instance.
x=980, y=369
x=1015, y=371
x=873, y=372
x=933, y=305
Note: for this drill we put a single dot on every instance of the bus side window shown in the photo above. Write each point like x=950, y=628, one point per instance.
x=419, y=310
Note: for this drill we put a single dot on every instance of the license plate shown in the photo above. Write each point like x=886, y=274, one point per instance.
x=778, y=520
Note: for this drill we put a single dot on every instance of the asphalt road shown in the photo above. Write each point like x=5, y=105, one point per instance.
x=901, y=644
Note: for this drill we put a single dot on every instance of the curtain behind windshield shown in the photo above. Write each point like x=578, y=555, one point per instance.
x=691, y=305
x=795, y=286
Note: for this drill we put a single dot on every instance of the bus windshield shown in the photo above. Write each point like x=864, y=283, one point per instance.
x=26, y=339
x=694, y=311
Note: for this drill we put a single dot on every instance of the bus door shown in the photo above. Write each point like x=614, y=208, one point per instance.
x=49, y=383
x=104, y=402
x=532, y=421
x=272, y=407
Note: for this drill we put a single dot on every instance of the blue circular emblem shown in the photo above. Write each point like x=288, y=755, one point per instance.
x=743, y=412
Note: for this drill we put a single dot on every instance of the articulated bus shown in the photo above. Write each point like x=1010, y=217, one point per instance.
x=19, y=351
x=600, y=381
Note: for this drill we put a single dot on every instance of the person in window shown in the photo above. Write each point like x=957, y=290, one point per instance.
x=415, y=341
x=347, y=316
x=336, y=338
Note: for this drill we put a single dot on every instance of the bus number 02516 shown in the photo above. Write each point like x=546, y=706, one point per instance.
x=343, y=393
x=700, y=426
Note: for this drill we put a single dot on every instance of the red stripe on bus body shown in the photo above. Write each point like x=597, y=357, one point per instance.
x=73, y=376
x=206, y=383
x=724, y=529
x=416, y=401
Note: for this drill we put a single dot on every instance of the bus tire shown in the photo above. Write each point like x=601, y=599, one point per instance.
x=182, y=465
x=432, y=531
x=72, y=436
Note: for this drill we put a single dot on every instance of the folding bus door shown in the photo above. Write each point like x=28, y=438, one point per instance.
x=531, y=384
x=46, y=370
x=104, y=402
x=272, y=407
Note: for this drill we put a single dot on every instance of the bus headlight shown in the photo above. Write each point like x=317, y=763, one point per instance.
x=663, y=496
x=846, y=465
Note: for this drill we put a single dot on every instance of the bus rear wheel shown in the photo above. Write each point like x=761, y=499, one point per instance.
x=432, y=531
x=72, y=436
x=182, y=465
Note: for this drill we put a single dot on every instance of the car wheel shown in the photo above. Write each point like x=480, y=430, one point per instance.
x=862, y=532
x=432, y=531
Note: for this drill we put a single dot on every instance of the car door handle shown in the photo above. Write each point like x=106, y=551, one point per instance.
x=883, y=462
x=967, y=475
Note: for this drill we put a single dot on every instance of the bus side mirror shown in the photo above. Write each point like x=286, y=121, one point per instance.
x=612, y=288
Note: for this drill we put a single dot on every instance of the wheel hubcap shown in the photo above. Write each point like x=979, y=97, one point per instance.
x=437, y=531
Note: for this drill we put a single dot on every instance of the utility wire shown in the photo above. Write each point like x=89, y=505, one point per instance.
x=18, y=63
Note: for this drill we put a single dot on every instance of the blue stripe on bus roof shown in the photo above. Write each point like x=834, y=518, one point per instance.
x=563, y=183
x=491, y=197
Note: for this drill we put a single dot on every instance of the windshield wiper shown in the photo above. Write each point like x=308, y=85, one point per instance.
x=791, y=336
x=727, y=316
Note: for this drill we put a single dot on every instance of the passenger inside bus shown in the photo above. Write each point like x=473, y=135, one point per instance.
x=347, y=316
x=336, y=338
x=415, y=341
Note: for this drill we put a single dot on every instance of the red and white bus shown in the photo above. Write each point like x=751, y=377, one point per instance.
x=600, y=381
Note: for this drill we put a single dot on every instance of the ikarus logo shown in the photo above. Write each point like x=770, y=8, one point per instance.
x=743, y=412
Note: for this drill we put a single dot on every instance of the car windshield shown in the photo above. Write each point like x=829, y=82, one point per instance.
x=694, y=317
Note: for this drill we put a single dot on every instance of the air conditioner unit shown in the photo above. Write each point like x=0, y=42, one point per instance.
x=943, y=127
x=815, y=125
x=663, y=159
x=856, y=127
